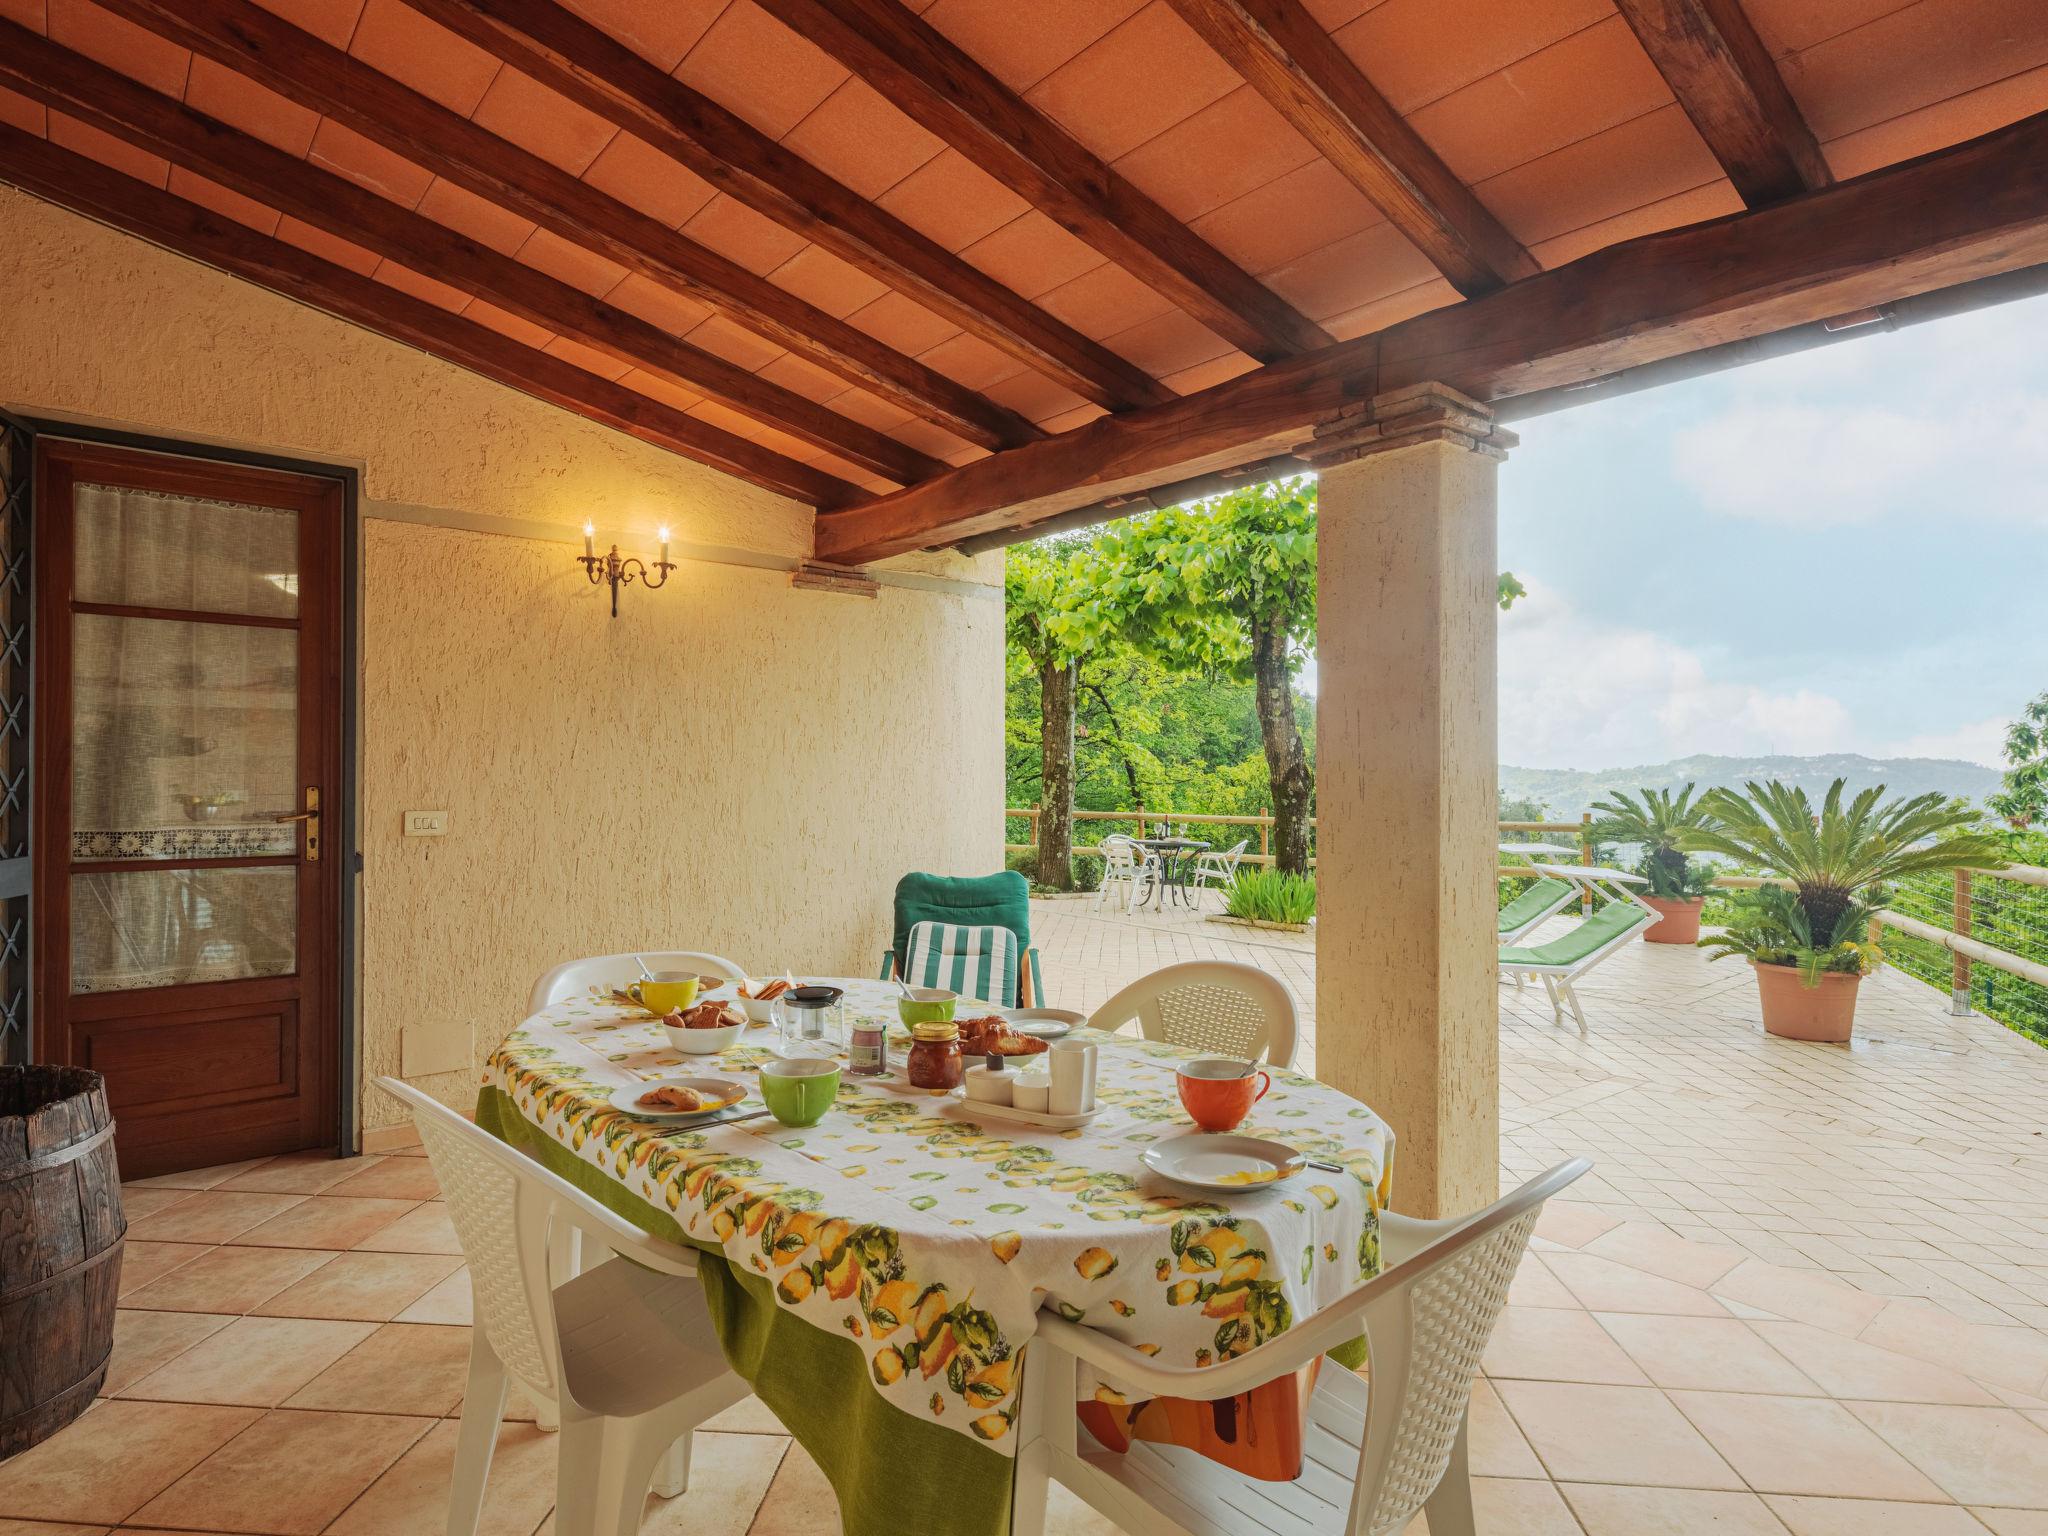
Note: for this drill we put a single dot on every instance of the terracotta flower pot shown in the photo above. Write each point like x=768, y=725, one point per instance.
x=1680, y=923
x=1793, y=1012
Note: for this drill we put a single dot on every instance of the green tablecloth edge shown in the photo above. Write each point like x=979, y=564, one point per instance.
x=892, y=1471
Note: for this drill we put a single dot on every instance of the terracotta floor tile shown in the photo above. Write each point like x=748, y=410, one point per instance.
x=1864, y=1517
x=198, y=1178
x=1712, y=1354
x=227, y=1280
x=411, y=1497
x=1535, y=1286
x=145, y=1340
x=1552, y=1344
x=257, y=1361
x=365, y=1287
x=1643, y=1246
x=447, y=1302
x=289, y=1473
x=300, y=1173
x=325, y=1221
x=1803, y=1445
x=730, y=1477
x=423, y=1229
x=1517, y=1507
x=1499, y=1448
x=400, y=1368
x=114, y=1459
x=2014, y=1522
x=1612, y=1511
x=2012, y=1357
x=749, y=1416
x=144, y=1262
x=1801, y=1295
x=1850, y=1368
x=44, y=1528
x=1613, y=1435
x=1572, y=1225
x=393, y=1178
x=1602, y=1285
x=137, y=1202
x=1977, y=1455
x=210, y=1216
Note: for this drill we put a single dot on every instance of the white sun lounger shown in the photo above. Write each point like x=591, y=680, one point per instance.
x=1560, y=962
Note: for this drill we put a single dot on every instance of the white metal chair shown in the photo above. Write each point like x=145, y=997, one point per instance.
x=1216, y=1006
x=1560, y=962
x=624, y=1353
x=1218, y=868
x=1125, y=863
x=572, y=978
x=1376, y=1454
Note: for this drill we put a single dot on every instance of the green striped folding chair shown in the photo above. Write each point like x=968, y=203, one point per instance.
x=975, y=962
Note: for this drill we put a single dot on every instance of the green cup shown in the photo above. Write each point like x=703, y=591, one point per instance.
x=798, y=1090
x=927, y=1005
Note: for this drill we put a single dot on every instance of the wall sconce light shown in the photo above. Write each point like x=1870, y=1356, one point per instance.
x=610, y=568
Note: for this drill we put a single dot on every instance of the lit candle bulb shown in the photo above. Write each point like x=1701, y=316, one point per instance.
x=664, y=543
x=589, y=549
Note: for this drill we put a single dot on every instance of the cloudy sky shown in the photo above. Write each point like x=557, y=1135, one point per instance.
x=1841, y=551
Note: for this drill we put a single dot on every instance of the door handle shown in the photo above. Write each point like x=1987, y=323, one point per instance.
x=311, y=817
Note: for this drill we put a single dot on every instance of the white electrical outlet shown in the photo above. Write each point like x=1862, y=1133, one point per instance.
x=426, y=823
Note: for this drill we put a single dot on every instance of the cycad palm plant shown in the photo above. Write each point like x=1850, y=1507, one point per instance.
x=1659, y=820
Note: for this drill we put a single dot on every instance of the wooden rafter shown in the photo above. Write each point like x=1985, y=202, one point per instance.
x=569, y=55
x=1291, y=61
x=112, y=102
x=941, y=86
x=1711, y=57
x=1962, y=214
x=86, y=186
x=254, y=42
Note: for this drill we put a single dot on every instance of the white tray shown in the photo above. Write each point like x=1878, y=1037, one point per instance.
x=982, y=1109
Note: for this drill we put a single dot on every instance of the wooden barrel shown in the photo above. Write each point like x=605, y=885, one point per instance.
x=61, y=1229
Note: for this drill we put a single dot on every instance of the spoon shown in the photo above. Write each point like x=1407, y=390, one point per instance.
x=903, y=984
x=645, y=974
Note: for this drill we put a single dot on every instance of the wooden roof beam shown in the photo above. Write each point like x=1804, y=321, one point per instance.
x=97, y=191
x=72, y=83
x=1963, y=214
x=1711, y=57
x=1291, y=61
x=941, y=86
x=580, y=61
x=254, y=42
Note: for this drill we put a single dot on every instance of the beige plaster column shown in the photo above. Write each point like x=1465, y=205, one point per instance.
x=1406, y=1015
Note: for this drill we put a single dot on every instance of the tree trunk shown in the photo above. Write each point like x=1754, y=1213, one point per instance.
x=1057, y=686
x=1286, y=760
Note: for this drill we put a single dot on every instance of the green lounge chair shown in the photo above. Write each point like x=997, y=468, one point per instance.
x=1546, y=897
x=1560, y=962
x=942, y=937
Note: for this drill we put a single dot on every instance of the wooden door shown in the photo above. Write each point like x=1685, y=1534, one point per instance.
x=188, y=749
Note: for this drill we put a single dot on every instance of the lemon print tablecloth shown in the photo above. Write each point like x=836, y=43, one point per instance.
x=882, y=1270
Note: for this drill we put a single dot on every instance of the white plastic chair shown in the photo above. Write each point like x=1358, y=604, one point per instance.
x=1124, y=863
x=624, y=1354
x=1217, y=1006
x=1375, y=1454
x=1218, y=868
x=573, y=978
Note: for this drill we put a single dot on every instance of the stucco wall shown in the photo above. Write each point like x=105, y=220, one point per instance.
x=711, y=770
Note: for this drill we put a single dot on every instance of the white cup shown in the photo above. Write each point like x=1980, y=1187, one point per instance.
x=1072, y=1063
x=1031, y=1091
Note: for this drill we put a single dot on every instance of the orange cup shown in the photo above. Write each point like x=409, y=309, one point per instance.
x=1218, y=1093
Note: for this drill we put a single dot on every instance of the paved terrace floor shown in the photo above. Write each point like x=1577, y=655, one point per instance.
x=291, y=1344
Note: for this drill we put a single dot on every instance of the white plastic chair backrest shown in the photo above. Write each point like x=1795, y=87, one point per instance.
x=573, y=978
x=500, y=1202
x=1214, y=1006
x=1119, y=855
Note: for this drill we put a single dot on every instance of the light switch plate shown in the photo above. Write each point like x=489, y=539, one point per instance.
x=426, y=823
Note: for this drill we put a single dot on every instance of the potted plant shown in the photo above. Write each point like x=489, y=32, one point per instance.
x=1808, y=944
x=1658, y=821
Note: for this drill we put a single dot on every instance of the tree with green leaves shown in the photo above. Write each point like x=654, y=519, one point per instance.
x=2024, y=799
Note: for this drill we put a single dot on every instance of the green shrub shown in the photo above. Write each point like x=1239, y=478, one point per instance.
x=1268, y=896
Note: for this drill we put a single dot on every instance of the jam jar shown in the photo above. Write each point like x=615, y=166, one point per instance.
x=934, y=1061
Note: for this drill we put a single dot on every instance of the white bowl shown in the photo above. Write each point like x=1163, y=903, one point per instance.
x=702, y=1042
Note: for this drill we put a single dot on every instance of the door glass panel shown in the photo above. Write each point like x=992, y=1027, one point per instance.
x=164, y=927
x=149, y=549
x=184, y=739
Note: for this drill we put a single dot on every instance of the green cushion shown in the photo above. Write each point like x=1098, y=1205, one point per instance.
x=975, y=901
x=1541, y=899
x=975, y=962
x=1609, y=923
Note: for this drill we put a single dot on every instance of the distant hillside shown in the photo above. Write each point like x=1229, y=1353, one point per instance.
x=1565, y=792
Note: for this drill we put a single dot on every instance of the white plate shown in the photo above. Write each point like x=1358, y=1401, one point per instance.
x=627, y=1098
x=1041, y=1023
x=1224, y=1165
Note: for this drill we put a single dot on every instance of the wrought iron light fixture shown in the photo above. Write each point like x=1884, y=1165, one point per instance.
x=610, y=568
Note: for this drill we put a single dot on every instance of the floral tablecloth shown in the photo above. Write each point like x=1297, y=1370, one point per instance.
x=931, y=1237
